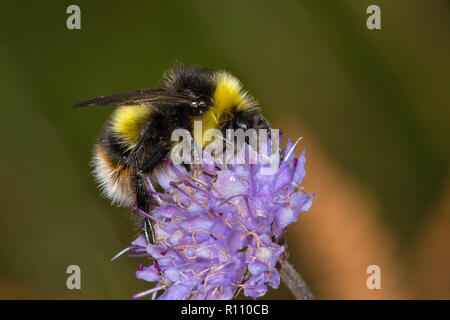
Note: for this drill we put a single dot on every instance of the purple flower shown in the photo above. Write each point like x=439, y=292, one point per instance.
x=219, y=228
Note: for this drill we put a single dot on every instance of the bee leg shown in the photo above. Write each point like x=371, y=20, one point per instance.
x=143, y=202
x=155, y=159
x=149, y=233
x=143, y=198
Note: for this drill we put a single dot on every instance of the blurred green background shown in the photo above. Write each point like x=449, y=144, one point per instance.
x=375, y=103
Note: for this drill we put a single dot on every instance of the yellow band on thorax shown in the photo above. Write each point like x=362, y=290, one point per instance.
x=127, y=123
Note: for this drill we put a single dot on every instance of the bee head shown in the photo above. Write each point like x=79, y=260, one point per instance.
x=245, y=119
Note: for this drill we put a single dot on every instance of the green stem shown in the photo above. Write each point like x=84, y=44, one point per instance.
x=294, y=282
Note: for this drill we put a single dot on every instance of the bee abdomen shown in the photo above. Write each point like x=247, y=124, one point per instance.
x=114, y=179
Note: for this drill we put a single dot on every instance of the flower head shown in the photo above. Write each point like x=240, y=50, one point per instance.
x=219, y=227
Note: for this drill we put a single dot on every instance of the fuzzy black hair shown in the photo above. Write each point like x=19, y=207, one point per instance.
x=190, y=79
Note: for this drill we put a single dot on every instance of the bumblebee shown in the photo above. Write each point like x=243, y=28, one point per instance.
x=137, y=136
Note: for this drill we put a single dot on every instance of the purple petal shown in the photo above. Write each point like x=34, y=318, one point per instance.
x=299, y=173
x=148, y=274
x=195, y=223
x=176, y=292
x=287, y=149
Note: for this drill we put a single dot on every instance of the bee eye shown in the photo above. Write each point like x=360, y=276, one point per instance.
x=187, y=91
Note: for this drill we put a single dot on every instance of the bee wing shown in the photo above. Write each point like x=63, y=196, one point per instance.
x=155, y=97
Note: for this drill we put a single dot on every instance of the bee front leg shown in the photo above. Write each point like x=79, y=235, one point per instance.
x=155, y=159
